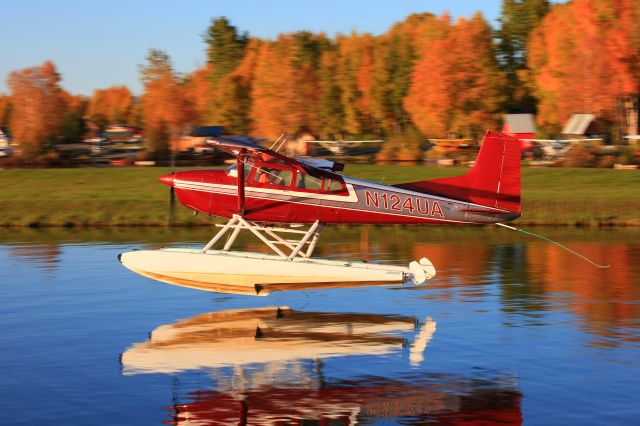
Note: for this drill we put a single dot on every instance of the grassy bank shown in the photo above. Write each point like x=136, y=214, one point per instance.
x=133, y=196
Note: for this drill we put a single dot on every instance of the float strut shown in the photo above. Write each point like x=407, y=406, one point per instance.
x=314, y=242
x=221, y=233
x=262, y=237
x=303, y=241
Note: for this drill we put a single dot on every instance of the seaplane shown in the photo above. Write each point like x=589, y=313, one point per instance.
x=286, y=201
x=343, y=147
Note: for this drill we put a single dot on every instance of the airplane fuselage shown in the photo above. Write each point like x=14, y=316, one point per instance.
x=289, y=195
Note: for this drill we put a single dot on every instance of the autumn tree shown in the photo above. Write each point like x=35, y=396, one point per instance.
x=198, y=91
x=402, y=46
x=456, y=85
x=373, y=74
x=111, y=105
x=165, y=106
x=330, y=118
x=38, y=107
x=353, y=77
x=307, y=52
x=584, y=59
x=277, y=106
x=5, y=110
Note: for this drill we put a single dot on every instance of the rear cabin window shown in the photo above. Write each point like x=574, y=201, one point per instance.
x=309, y=182
x=332, y=185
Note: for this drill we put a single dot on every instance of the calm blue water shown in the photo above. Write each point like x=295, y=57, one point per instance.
x=511, y=331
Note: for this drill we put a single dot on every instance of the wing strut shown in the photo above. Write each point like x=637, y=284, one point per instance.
x=240, y=168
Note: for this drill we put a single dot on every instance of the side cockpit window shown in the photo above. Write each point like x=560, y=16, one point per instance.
x=309, y=182
x=273, y=176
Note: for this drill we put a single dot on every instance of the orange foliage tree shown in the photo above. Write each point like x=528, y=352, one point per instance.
x=277, y=104
x=456, y=85
x=111, y=105
x=5, y=110
x=38, y=107
x=198, y=90
x=402, y=46
x=584, y=58
x=330, y=114
x=165, y=106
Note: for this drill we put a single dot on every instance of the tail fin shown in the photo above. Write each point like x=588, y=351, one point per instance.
x=494, y=180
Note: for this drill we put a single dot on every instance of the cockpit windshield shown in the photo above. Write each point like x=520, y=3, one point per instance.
x=262, y=169
x=232, y=170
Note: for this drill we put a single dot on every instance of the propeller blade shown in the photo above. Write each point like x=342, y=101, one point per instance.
x=168, y=180
x=172, y=205
x=172, y=190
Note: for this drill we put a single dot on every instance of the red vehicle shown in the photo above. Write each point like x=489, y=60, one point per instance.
x=265, y=187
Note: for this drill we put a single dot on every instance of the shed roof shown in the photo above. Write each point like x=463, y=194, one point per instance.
x=578, y=124
x=520, y=123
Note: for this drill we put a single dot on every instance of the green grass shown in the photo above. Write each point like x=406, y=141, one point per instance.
x=134, y=196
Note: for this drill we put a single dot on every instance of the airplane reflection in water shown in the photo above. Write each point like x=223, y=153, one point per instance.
x=267, y=367
x=419, y=399
x=272, y=335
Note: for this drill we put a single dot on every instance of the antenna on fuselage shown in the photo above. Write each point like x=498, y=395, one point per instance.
x=276, y=141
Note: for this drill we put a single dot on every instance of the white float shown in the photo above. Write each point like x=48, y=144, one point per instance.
x=259, y=273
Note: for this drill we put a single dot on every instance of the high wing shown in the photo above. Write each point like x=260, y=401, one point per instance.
x=235, y=145
x=346, y=142
x=339, y=147
x=247, y=153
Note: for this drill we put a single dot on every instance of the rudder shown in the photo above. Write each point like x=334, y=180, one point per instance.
x=494, y=180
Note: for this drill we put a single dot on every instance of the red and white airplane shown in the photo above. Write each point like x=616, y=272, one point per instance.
x=266, y=187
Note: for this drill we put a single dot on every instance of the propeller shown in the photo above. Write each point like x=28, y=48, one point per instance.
x=172, y=205
x=168, y=180
x=172, y=190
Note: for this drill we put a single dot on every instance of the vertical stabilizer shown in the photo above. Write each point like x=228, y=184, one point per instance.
x=494, y=180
